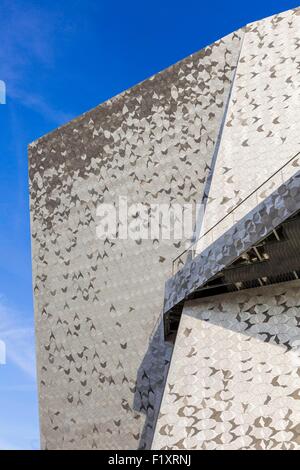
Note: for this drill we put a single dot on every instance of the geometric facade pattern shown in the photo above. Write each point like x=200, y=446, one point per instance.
x=260, y=132
x=234, y=380
x=282, y=204
x=208, y=129
x=98, y=303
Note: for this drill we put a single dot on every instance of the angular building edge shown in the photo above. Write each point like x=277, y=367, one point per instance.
x=97, y=303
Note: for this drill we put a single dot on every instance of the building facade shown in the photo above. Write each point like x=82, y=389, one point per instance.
x=218, y=131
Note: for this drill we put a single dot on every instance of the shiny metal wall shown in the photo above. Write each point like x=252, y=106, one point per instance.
x=234, y=378
x=98, y=303
x=261, y=132
x=102, y=360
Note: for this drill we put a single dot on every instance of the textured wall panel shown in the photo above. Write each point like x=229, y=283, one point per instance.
x=256, y=225
x=101, y=357
x=234, y=377
x=261, y=131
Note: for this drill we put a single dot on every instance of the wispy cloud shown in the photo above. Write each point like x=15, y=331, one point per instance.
x=18, y=336
x=27, y=38
x=19, y=422
x=4, y=445
x=38, y=104
x=31, y=387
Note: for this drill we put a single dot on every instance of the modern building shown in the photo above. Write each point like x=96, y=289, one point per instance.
x=175, y=342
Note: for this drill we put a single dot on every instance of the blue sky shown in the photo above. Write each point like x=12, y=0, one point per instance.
x=59, y=59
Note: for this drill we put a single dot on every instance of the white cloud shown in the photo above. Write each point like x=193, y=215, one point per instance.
x=18, y=388
x=18, y=336
x=27, y=38
x=39, y=105
x=4, y=445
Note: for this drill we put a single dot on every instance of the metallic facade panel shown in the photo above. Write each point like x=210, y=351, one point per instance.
x=225, y=115
x=100, y=350
x=261, y=131
x=234, y=379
